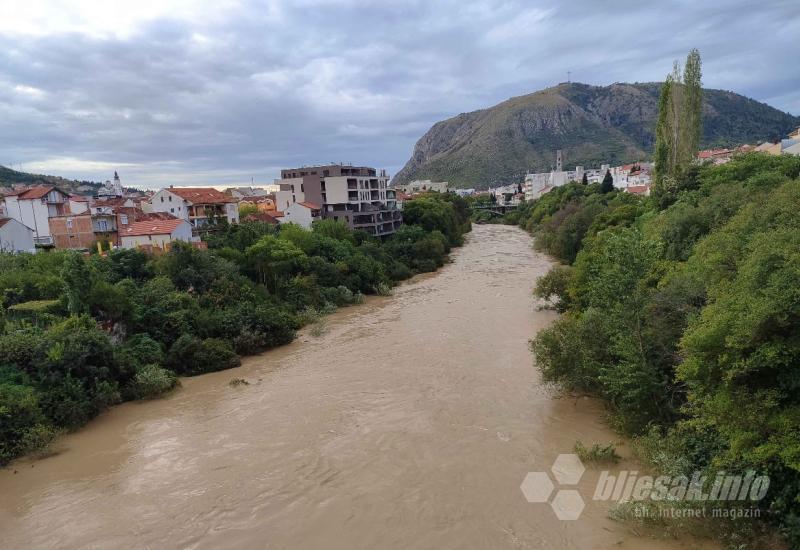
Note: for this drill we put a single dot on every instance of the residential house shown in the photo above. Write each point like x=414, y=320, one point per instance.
x=73, y=231
x=643, y=190
x=356, y=195
x=200, y=206
x=35, y=206
x=15, y=236
x=156, y=233
x=302, y=213
x=111, y=216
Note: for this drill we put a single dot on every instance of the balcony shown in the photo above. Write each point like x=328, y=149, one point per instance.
x=43, y=241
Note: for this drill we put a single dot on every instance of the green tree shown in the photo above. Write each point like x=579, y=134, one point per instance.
x=77, y=283
x=679, y=124
x=693, y=105
x=608, y=183
x=275, y=260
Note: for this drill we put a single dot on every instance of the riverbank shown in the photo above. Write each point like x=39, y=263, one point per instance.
x=411, y=422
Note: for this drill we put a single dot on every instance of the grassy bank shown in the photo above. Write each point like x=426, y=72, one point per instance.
x=682, y=312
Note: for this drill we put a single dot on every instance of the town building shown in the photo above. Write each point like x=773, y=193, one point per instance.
x=246, y=193
x=302, y=213
x=150, y=234
x=356, y=195
x=15, y=236
x=73, y=231
x=200, y=206
x=34, y=206
x=112, y=188
x=423, y=186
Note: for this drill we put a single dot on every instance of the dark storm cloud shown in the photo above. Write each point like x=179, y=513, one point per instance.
x=242, y=92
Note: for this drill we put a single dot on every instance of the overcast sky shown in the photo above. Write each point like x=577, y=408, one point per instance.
x=218, y=92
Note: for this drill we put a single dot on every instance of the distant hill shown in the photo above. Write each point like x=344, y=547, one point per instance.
x=591, y=124
x=10, y=178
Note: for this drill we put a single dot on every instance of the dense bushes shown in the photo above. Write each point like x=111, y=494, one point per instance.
x=685, y=318
x=80, y=334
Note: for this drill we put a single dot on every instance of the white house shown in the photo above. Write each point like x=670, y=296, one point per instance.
x=35, y=206
x=197, y=205
x=15, y=236
x=155, y=233
x=302, y=213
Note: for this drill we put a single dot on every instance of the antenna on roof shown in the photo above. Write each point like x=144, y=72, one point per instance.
x=569, y=75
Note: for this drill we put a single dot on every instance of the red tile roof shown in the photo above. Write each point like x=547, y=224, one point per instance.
x=152, y=227
x=261, y=217
x=310, y=205
x=79, y=198
x=150, y=216
x=36, y=192
x=201, y=195
x=638, y=189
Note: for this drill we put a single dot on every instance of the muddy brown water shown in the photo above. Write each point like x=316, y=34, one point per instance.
x=409, y=424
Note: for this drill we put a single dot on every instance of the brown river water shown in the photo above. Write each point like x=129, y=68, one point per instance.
x=409, y=424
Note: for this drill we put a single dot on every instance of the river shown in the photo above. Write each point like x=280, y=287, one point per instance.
x=409, y=424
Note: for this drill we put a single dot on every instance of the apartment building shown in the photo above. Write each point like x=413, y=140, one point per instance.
x=356, y=195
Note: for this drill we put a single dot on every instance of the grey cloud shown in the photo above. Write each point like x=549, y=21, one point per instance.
x=273, y=84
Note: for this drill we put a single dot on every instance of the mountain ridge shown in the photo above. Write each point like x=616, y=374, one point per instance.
x=591, y=124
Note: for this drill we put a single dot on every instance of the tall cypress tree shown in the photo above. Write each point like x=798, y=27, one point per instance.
x=693, y=103
x=679, y=124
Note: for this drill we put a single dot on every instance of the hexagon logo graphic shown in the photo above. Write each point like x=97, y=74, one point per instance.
x=537, y=487
x=568, y=469
x=567, y=503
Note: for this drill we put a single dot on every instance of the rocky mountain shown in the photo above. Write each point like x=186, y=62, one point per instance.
x=592, y=125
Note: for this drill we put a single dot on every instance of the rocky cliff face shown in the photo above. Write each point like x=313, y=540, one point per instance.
x=591, y=124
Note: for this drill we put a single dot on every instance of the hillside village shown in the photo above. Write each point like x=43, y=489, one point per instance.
x=632, y=178
x=46, y=216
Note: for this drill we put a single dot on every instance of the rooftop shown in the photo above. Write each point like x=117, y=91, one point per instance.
x=201, y=195
x=152, y=227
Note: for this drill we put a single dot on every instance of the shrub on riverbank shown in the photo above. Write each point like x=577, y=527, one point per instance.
x=80, y=334
x=684, y=315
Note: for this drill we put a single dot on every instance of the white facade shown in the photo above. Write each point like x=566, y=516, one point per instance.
x=78, y=206
x=32, y=213
x=290, y=191
x=301, y=214
x=192, y=211
x=165, y=201
x=15, y=237
x=183, y=232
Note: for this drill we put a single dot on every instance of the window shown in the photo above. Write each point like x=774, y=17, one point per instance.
x=162, y=198
x=102, y=225
x=123, y=219
x=69, y=223
x=302, y=189
x=172, y=210
x=170, y=198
